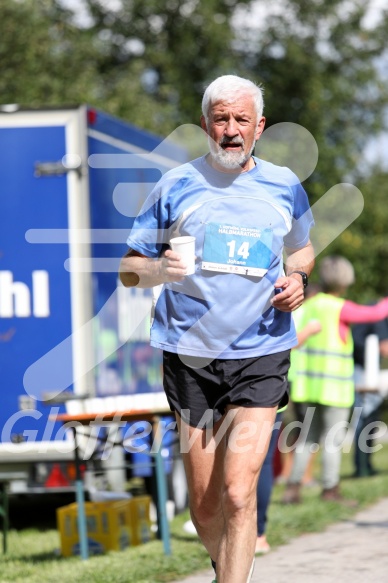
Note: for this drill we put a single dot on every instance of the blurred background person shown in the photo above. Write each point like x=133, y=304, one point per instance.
x=325, y=375
x=368, y=401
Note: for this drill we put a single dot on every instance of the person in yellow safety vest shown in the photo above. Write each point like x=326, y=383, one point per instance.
x=323, y=376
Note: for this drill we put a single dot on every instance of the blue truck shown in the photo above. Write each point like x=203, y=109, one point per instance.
x=72, y=338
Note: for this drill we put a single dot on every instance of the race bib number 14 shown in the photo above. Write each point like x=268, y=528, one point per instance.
x=233, y=249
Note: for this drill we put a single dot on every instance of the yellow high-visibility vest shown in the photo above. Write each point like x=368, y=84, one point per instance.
x=323, y=371
x=294, y=354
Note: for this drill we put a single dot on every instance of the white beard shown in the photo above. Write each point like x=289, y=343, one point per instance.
x=229, y=160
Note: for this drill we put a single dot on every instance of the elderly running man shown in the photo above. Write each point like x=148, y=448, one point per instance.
x=225, y=334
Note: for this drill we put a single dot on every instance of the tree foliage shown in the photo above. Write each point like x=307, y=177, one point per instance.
x=161, y=54
x=45, y=61
x=148, y=62
x=365, y=242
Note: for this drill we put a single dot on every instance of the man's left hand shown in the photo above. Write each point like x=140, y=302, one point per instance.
x=290, y=294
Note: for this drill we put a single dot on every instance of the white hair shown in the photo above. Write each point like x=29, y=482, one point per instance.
x=335, y=273
x=227, y=88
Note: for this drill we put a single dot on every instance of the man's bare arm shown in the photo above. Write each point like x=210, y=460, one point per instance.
x=137, y=270
x=300, y=260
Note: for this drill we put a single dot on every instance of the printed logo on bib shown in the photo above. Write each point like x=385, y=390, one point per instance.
x=233, y=249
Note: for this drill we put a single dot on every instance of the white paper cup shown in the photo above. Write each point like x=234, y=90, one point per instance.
x=185, y=246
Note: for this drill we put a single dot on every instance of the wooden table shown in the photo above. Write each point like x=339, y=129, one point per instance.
x=108, y=419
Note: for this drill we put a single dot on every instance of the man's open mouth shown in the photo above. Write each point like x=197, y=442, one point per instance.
x=231, y=146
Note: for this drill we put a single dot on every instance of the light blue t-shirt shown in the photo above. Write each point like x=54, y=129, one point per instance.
x=241, y=223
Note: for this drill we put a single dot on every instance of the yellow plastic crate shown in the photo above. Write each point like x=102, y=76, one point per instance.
x=139, y=518
x=108, y=527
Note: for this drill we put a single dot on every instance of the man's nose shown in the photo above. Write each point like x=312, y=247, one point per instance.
x=231, y=128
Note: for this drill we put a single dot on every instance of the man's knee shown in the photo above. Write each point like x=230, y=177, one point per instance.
x=238, y=498
x=205, y=503
x=204, y=512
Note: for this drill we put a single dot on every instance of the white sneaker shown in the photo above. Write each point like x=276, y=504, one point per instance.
x=189, y=527
x=251, y=571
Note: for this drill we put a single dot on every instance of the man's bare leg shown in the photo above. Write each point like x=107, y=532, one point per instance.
x=247, y=444
x=204, y=473
x=222, y=477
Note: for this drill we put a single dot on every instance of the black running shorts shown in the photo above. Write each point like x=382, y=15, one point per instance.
x=246, y=382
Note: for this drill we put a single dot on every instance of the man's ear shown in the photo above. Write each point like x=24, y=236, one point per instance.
x=203, y=123
x=260, y=128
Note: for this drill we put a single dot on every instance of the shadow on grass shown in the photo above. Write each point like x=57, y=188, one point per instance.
x=185, y=538
x=376, y=474
x=55, y=556
x=47, y=557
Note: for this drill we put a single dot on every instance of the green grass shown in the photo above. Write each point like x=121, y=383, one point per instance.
x=313, y=515
x=33, y=554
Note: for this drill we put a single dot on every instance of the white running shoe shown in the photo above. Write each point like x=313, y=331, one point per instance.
x=251, y=571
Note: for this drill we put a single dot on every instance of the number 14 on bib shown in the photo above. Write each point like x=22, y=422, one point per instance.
x=237, y=249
